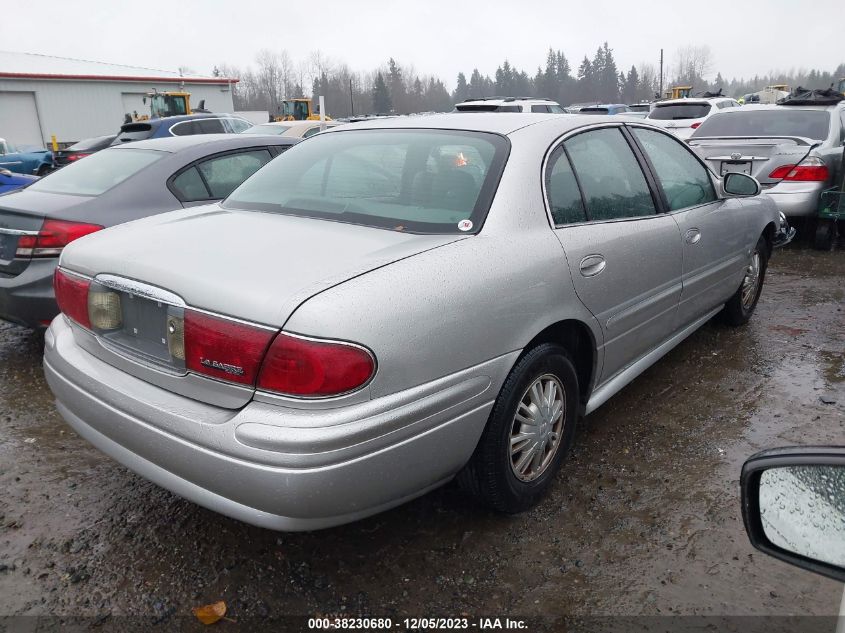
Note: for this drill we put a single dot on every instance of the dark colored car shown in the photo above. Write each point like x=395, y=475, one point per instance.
x=82, y=149
x=111, y=187
x=9, y=181
x=183, y=125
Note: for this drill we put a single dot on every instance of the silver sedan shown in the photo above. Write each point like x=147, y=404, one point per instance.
x=396, y=303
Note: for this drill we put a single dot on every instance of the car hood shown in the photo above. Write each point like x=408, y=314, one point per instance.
x=247, y=264
x=764, y=154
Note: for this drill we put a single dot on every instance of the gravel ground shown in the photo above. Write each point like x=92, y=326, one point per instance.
x=644, y=519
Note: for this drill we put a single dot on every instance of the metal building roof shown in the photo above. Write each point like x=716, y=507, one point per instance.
x=34, y=66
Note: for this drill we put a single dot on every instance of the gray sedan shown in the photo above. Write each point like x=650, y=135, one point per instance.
x=110, y=187
x=394, y=303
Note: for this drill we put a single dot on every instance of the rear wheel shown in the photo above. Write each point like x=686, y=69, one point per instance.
x=44, y=170
x=530, y=430
x=824, y=236
x=740, y=307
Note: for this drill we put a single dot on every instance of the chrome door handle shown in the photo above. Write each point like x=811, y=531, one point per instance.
x=592, y=265
x=692, y=236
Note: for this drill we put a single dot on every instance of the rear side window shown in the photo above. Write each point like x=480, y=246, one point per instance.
x=210, y=126
x=188, y=186
x=224, y=173
x=184, y=128
x=97, y=173
x=613, y=183
x=685, y=181
x=562, y=190
x=679, y=111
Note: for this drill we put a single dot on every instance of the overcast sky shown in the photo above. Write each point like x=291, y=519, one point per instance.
x=435, y=36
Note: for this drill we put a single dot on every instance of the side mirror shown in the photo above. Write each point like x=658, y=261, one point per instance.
x=740, y=185
x=793, y=505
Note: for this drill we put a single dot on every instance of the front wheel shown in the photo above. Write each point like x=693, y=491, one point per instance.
x=529, y=432
x=740, y=307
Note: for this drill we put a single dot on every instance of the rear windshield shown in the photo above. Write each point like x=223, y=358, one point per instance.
x=133, y=132
x=639, y=107
x=419, y=181
x=98, y=173
x=91, y=143
x=814, y=124
x=275, y=128
x=488, y=107
x=593, y=111
x=674, y=111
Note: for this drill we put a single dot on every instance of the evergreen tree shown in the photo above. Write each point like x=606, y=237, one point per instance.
x=381, y=96
x=396, y=85
x=461, y=89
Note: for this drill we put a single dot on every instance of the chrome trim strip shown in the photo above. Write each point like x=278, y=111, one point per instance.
x=132, y=287
x=16, y=232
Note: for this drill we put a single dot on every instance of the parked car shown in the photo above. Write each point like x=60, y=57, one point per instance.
x=9, y=181
x=510, y=104
x=605, y=108
x=291, y=129
x=683, y=116
x=394, y=303
x=794, y=151
x=639, y=107
x=183, y=125
x=25, y=160
x=113, y=186
x=793, y=507
x=82, y=149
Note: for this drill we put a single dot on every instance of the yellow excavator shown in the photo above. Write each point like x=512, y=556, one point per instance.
x=298, y=110
x=164, y=104
x=678, y=92
x=841, y=86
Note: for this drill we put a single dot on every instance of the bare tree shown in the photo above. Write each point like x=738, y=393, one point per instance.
x=692, y=64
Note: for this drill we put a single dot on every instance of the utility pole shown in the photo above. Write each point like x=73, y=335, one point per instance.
x=351, y=99
x=660, y=94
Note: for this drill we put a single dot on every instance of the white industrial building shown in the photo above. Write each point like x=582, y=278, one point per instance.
x=42, y=96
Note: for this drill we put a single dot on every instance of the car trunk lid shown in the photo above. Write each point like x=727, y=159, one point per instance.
x=756, y=156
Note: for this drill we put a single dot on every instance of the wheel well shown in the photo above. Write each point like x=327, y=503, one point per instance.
x=578, y=340
x=769, y=234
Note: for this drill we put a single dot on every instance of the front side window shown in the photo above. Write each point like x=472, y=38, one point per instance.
x=224, y=173
x=685, y=181
x=421, y=181
x=98, y=173
x=237, y=125
x=556, y=109
x=539, y=108
x=614, y=185
x=562, y=190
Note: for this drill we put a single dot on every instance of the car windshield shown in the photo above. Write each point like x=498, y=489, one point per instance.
x=813, y=124
x=98, y=173
x=675, y=111
x=267, y=128
x=420, y=181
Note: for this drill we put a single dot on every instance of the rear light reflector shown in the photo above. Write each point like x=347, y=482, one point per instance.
x=221, y=348
x=300, y=366
x=53, y=236
x=72, y=296
x=811, y=169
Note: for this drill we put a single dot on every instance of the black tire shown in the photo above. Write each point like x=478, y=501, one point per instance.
x=43, y=170
x=824, y=236
x=489, y=476
x=738, y=310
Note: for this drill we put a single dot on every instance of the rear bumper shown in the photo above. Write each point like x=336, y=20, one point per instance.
x=796, y=199
x=28, y=298
x=270, y=465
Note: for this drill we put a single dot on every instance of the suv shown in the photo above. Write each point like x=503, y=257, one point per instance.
x=510, y=104
x=683, y=116
x=183, y=125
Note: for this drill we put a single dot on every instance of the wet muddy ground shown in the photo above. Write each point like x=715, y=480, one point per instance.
x=644, y=518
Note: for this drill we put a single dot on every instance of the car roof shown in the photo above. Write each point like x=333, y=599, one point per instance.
x=693, y=100
x=756, y=107
x=509, y=100
x=297, y=124
x=495, y=122
x=175, y=144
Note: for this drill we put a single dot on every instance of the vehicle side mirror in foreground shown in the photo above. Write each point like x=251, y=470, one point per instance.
x=740, y=185
x=793, y=505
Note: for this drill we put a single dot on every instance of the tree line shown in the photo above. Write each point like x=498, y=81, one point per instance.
x=399, y=89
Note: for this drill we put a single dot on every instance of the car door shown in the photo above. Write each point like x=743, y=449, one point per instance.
x=714, y=232
x=624, y=257
x=214, y=178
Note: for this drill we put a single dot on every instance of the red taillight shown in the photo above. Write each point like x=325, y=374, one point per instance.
x=53, y=237
x=695, y=125
x=72, y=296
x=72, y=157
x=224, y=349
x=314, y=368
x=811, y=169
